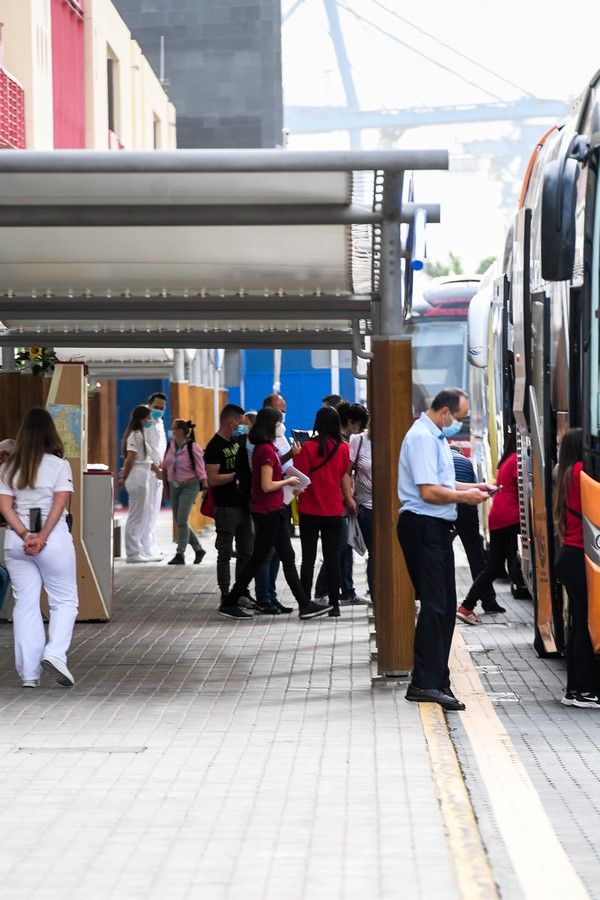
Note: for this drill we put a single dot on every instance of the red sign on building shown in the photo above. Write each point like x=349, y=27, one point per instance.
x=68, y=73
x=12, y=110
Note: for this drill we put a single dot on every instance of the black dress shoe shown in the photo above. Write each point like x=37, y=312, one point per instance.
x=200, y=554
x=422, y=695
x=493, y=608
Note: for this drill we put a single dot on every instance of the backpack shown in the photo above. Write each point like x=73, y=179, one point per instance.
x=243, y=472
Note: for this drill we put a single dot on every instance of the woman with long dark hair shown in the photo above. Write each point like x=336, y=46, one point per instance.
x=36, y=484
x=582, y=672
x=270, y=522
x=503, y=522
x=323, y=505
x=183, y=466
x=135, y=478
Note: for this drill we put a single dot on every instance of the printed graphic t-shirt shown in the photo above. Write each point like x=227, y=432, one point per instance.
x=223, y=453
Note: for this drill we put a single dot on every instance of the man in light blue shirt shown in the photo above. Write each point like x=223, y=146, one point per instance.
x=428, y=493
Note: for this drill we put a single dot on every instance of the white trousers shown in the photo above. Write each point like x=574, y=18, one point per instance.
x=155, y=493
x=54, y=569
x=137, y=487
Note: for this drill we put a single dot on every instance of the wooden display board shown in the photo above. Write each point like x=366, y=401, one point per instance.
x=67, y=403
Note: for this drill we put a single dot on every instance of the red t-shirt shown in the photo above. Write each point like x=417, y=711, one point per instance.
x=323, y=497
x=265, y=455
x=505, y=505
x=574, y=524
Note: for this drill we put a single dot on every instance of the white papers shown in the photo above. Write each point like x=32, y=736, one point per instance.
x=288, y=491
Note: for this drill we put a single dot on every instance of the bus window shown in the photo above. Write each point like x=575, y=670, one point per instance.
x=439, y=359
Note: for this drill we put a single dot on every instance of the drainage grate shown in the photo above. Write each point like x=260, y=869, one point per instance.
x=90, y=749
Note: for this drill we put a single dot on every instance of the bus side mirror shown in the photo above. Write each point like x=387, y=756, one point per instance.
x=559, y=198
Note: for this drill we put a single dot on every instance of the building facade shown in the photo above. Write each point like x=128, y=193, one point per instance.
x=222, y=62
x=85, y=82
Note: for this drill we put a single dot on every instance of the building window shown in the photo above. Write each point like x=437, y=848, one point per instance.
x=156, y=127
x=112, y=87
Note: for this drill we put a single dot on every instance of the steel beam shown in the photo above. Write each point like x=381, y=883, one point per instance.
x=220, y=338
x=169, y=309
x=96, y=162
x=192, y=215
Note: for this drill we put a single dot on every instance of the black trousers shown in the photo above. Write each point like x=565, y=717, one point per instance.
x=467, y=529
x=427, y=547
x=271, y=530
x=582, y=673
x=501, y=540
x=329, y=527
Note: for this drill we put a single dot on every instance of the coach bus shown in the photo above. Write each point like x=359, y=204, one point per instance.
x=438, y=329
x=547, y=292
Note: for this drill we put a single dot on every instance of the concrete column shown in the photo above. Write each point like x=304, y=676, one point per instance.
x=8, y=359
x=179, y=366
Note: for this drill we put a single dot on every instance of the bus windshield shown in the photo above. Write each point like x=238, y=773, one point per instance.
x=439, y=359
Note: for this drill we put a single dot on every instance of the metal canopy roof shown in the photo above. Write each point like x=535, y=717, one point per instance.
x=268, y=248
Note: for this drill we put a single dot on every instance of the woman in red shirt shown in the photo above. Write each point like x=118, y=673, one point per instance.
x=326, y=460
x=570, y=571
x=503, y=522
x=270, y=522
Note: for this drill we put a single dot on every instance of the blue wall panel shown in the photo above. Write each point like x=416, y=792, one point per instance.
x=130, y=393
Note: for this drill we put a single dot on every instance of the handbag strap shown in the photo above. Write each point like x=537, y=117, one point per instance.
x=325, y=461
x=355, y=466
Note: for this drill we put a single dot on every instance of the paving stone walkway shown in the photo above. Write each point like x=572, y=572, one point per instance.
x=197, y=757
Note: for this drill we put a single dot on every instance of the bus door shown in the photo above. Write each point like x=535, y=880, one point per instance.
x=520, y=308
x=590, y=479
x=549, y=627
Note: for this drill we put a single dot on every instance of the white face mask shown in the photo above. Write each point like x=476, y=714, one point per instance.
x=280, y=429
x=283, y=418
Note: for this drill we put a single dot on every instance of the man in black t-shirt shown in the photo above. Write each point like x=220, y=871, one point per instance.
x=232, y=515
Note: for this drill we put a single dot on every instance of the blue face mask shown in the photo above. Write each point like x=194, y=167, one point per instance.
x=147, y=424
x=240, y=430
x=450, y=430
x=157, y=414
x=170, y=434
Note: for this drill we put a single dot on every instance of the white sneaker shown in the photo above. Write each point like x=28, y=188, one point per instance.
x=138, y=558
x=31, y=682
x=154, y=555
x=58, y=669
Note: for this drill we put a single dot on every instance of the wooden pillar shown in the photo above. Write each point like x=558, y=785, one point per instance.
x=390, y=390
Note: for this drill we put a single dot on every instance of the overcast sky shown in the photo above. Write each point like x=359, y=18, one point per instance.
x=534, y=47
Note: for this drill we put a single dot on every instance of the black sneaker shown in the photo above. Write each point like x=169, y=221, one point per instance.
x=568, y=699
x=355, y=600
x=284, y=610
x=312, y=610
x=493, y=608
x=585, y=700
x=234, y=612
x=266, y=609
x=178, y=560
x=247, y=602
x=200, y=554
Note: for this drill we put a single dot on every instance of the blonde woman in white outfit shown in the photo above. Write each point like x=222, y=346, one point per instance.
x=138, y=469
x=35, y=487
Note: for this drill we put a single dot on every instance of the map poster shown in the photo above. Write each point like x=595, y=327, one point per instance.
x=67, y=418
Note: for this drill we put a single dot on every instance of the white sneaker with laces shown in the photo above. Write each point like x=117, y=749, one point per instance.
x=59, y=670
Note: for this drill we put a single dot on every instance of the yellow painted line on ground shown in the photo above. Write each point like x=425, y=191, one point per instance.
x=472, y=868
x=539, y=859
